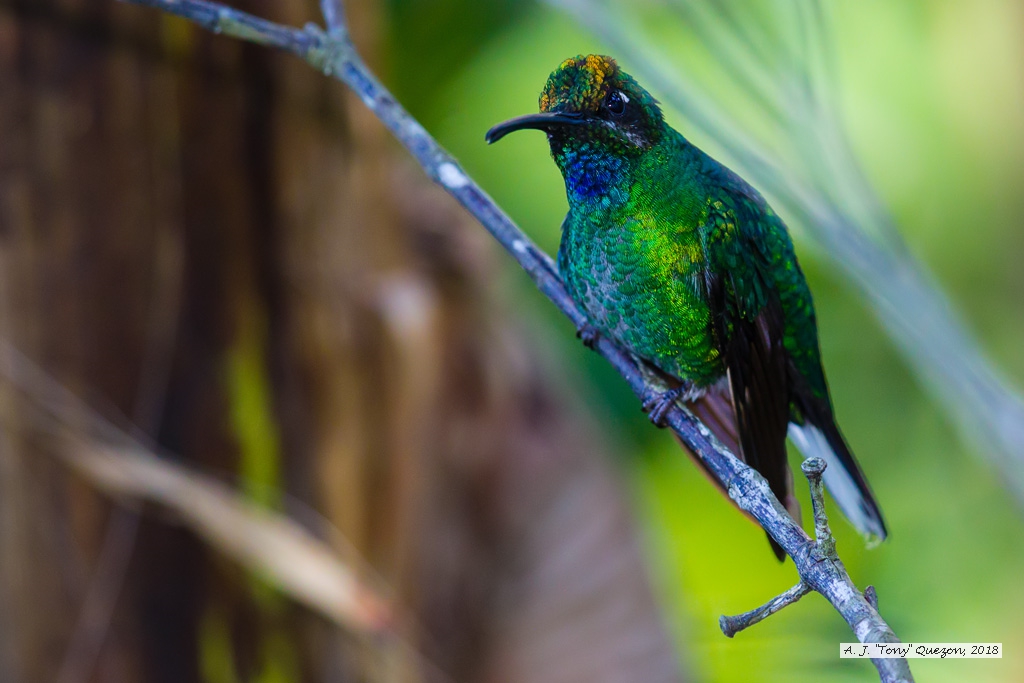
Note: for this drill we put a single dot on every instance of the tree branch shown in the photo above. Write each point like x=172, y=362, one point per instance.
x=336, y=56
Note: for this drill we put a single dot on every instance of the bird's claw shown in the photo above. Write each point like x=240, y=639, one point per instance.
x=588, y=334
x=658, y=405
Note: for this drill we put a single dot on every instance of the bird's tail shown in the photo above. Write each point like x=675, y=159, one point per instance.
x=821, y=438
x=716, y=411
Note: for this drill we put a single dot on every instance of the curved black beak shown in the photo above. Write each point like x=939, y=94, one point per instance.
x=542, y=121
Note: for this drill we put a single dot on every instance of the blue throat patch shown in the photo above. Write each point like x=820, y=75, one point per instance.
x=592, y=176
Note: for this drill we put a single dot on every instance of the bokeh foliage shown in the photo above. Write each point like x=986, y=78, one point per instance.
x=933, y=96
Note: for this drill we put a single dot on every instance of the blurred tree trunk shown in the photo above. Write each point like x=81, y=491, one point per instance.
x=214, y=244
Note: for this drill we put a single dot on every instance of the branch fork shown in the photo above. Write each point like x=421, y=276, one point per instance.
x=823, y=548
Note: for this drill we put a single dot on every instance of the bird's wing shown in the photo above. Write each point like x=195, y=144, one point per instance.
x=749, y=246
x=750, y=328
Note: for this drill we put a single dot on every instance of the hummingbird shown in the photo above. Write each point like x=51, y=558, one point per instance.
x=682, y=263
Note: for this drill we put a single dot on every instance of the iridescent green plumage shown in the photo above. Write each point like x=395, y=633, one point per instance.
x=684, y=264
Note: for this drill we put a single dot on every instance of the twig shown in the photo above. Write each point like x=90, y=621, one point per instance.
x=268, y=543
x=824, y=543
x=334, y=17
x=732, y=625
x=871, y=595
x=337, y=57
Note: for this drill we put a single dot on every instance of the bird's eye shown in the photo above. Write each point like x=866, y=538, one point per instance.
x=615, y=102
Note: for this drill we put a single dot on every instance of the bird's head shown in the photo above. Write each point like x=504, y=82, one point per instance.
x=590, y=100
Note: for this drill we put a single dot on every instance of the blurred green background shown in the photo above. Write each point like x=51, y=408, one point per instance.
x=932, y=95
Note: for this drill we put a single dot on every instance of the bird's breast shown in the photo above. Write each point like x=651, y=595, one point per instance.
x=639, y=284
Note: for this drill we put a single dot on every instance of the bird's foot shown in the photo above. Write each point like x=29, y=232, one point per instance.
x=588, y=334
x=658, y=405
